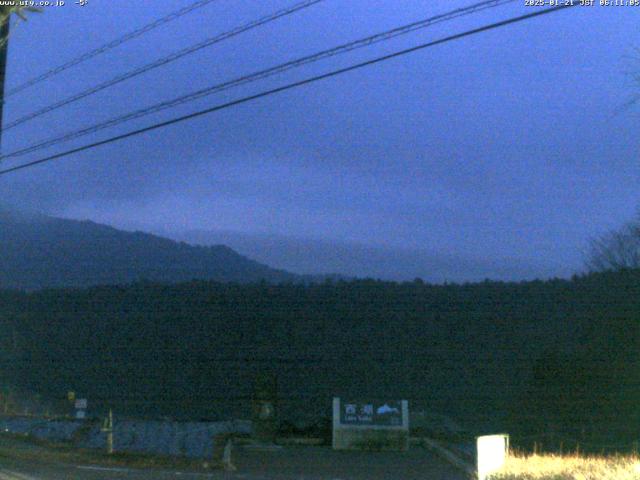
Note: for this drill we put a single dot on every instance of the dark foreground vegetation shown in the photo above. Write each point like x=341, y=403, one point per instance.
x=554, y=356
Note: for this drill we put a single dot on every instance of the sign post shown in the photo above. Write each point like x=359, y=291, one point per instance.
x=81, y=408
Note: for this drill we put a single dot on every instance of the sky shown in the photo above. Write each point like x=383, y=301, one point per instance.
x=512, y=145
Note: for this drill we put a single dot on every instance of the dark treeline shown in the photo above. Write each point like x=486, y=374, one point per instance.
x=540, y=356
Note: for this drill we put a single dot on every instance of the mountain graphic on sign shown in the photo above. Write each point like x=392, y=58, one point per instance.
x=387, y=409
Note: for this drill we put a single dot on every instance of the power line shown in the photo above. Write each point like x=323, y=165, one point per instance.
x=164, y=61
x=260, y=75
x=289, y=86
x=109, y=46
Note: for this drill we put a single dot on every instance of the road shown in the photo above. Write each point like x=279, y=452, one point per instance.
x=290, y=463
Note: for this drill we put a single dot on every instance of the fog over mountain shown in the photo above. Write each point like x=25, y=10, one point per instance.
x=40, y=251
x=314, y=256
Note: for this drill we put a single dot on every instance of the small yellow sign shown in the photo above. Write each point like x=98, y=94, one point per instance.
x=71, y=396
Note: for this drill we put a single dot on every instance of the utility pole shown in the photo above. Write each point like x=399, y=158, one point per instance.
x=5, y=16
x=5, y=20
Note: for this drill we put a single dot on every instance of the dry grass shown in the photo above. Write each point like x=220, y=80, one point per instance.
x=569, y=467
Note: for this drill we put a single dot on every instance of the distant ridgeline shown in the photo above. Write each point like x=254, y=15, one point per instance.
x=37, y=251
x=531, y=356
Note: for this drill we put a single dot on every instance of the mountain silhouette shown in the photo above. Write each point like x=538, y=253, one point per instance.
x=38, y=251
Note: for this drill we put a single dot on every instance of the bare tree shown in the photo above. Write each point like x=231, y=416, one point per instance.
x=616, y=250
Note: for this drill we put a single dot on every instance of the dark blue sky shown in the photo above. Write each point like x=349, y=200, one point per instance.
x=508, y=144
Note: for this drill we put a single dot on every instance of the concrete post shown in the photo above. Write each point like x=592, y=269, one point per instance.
x=107, y=427
x=222, y=451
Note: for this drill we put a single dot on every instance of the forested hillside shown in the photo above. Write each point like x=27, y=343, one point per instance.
x=522, y=356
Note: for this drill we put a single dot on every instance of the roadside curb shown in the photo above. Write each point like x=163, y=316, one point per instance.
x=448, y=455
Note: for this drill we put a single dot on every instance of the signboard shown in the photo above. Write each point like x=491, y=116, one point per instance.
x=360, y=424
x=387, y=414
x=81, y=414
x=81, y=404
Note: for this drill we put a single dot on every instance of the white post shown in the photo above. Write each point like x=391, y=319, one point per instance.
x=492, y=451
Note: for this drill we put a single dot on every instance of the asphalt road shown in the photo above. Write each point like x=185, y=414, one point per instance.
x=290, y=463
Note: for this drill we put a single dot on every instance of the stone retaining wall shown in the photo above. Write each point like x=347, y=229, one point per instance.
x=190, y=439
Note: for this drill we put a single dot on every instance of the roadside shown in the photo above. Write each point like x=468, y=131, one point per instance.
x=316, y=463
x=26, y=460
x=27, y=449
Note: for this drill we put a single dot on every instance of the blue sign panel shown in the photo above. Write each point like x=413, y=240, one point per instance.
x=378, y=413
